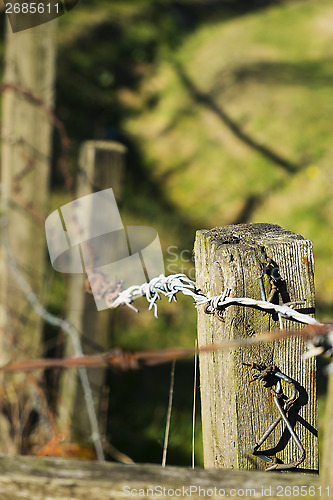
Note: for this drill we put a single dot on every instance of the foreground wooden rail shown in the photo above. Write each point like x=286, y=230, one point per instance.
x=64, y=479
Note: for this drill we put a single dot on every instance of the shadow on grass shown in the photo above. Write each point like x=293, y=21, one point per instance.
x=317, y=73
x=207, y=101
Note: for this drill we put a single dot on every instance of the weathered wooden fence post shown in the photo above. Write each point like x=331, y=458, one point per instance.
x=26, y=143
x=235, y=413
x=101, y=166
x=25, y=165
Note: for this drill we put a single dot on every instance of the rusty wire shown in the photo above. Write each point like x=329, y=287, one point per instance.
x=58, y=124
x=272, y=376
x=121, y=360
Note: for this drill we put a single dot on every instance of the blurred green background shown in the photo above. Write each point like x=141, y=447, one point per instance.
x=226, y=108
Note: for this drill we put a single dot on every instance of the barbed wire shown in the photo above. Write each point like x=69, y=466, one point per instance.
x=121, y=360
x=57, y=123
x=170, y=286
x=319, y=335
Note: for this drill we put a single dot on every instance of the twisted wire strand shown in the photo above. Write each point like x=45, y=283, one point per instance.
x=171, y=285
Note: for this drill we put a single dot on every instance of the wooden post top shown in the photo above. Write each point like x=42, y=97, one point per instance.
x=106, y=145
x=247, y=233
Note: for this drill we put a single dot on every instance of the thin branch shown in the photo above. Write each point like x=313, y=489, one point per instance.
x=168, y=419
x=194, y=402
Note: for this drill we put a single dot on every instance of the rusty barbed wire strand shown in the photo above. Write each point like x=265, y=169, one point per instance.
x=272, y=376
x=18, y=199
x=121, y=360
x=58, y=124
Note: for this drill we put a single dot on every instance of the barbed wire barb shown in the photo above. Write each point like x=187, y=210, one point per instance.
x=120, y=360
x=171, y=285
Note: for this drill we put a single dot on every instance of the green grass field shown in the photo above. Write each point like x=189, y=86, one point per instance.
x=241, y=126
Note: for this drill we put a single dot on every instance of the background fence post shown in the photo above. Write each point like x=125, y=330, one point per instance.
x=101, y=166
x=26, y=144
x=234, y=413
x=25, y=167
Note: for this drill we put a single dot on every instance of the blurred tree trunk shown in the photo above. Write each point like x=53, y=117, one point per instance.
x=25, y=169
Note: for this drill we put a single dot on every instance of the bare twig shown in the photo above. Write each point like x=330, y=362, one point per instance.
x=168, y=419
x=194, y=402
